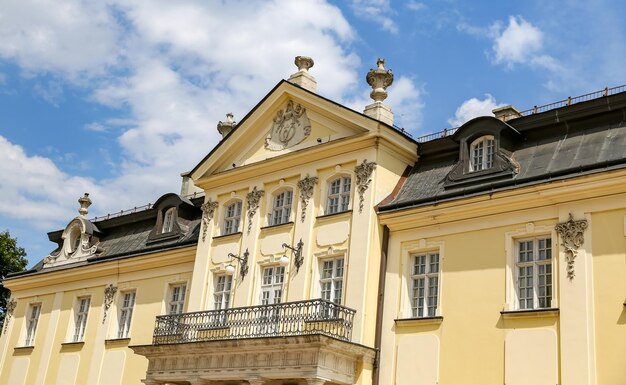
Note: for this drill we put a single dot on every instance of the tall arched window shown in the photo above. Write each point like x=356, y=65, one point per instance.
x=482, y=151
x=168, y=220
x=232, y=217
x=338, y=195
x=281, y=210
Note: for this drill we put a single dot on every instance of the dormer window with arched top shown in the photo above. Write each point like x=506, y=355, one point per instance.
x=482, y=152
x=168, y=220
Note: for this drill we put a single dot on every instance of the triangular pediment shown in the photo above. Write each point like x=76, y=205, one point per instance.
x=289, y=119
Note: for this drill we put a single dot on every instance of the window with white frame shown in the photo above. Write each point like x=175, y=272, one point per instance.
x=176, y=301
x=168, y=220
x=482, y=151
x=221, y=295
x=31, y=323
x=338, y=195
x=80, y=318
x=331, y=280
x=125, y=312
x=272, y=285
x=424, y=284
x=533, y=267
x=232, y=217
x=282, y=207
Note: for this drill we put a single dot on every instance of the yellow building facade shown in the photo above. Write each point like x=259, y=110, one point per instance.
x=318, y=245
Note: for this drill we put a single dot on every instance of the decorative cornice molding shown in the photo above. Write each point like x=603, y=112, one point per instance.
x=306, y=186
x=208, y=211
x=109, y=294
x=572, y=237
x=253, y=198
x=363, y=173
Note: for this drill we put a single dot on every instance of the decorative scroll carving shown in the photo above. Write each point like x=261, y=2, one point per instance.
x=306, y=186
x=572, y=237
x=289, y=128
x=208, y=211
x=9, y=312
x=363, y=173
x=253, y=198
x=109, y=294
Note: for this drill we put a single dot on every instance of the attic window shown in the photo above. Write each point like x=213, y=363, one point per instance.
x=482, y=152
x=168, y=220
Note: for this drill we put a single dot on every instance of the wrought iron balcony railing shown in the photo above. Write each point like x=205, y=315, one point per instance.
x=278, y=320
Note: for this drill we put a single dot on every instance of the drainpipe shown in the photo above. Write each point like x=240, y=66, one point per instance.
x=381, y=302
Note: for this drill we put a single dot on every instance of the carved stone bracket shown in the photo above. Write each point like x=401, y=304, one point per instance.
x=253, y=198
x=306, y=186
x=208, y=211
x=572, y=237
x=9, y=312
x=363, y=173
x=109, y=294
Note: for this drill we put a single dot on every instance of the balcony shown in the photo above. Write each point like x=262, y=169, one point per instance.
x=300, y=342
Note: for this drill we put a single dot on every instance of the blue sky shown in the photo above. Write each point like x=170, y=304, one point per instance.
x=117, y=98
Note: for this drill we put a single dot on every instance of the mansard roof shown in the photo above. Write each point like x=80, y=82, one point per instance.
x=567, y=142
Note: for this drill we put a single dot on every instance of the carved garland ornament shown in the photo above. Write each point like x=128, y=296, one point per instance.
x=306, y=186
x=9, y=312
x=289, y=128
x=253, y=198
x=109, y=294
x=572, y=237
x=208, y=211
x=363, y=173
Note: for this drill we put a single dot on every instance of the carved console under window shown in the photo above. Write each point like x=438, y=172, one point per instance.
x=208, y=211
x=290, y=127
x=253, y=198
x=363, y=173
x=109, y=294
x=572, y=237
x=306, y=186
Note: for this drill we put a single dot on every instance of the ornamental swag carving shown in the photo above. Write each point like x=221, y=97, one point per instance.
x=253, y=198
x=289, y=127
x=572, y=237
x=306, y=186
x=109, y=293
x=363, y=173
x=11, y=305
x=208, y=211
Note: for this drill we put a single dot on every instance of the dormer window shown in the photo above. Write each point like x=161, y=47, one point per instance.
x=168, y=220
x=482, y=152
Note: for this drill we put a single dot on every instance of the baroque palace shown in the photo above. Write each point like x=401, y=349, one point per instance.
x=317, y=245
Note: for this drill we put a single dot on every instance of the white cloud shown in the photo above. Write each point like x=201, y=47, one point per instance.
x=415, y=6
x=518, y=43
x=377, y=11
x=473, y=108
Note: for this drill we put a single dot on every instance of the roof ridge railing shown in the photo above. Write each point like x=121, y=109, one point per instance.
x=137, y=209
x=537, y=109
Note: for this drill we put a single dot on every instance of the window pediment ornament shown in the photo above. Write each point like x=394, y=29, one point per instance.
x=572, y=237
x=208, y=211
x=363, y=173
x=289, y=127
x=306, y=186
x=109, y=294
x=252, y=199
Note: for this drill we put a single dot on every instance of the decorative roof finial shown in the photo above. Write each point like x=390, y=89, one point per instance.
x=379, y=79
x=303, y=78
x=85, y=202
x=304, y=63
x=226, y=127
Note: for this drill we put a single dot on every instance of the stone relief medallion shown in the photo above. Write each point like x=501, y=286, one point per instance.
x=290, y=127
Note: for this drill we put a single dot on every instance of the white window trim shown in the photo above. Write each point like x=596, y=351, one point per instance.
x=228, y=304
x=272, y=206
x=119, y=332
x=333, y=279
x=409, y=251
x=78, y=334
x=283, y=294
x=168, y=295
x=482, y=139
x=223, y=218
x=325, y=190
x=27, y=339
x=511, y=238
x=168, y=226
x=330, y=253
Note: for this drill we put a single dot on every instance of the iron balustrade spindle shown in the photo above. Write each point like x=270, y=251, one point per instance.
x=316, y=316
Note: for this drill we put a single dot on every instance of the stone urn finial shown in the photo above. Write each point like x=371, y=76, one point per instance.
x=84, y=202
x=226, y=127
x=379, y=79
x=304, y=63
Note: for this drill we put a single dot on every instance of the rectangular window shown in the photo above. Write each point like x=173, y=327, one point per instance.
x=331, y=280
x=272, y=285
x=177, y=299
x=31, y=324
x=80, y=318
x=282, y=208
x=338, y=195
x=425, y=285
x=221, y=296
x=232, y=217
x=126, y=313
x=533, y=266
